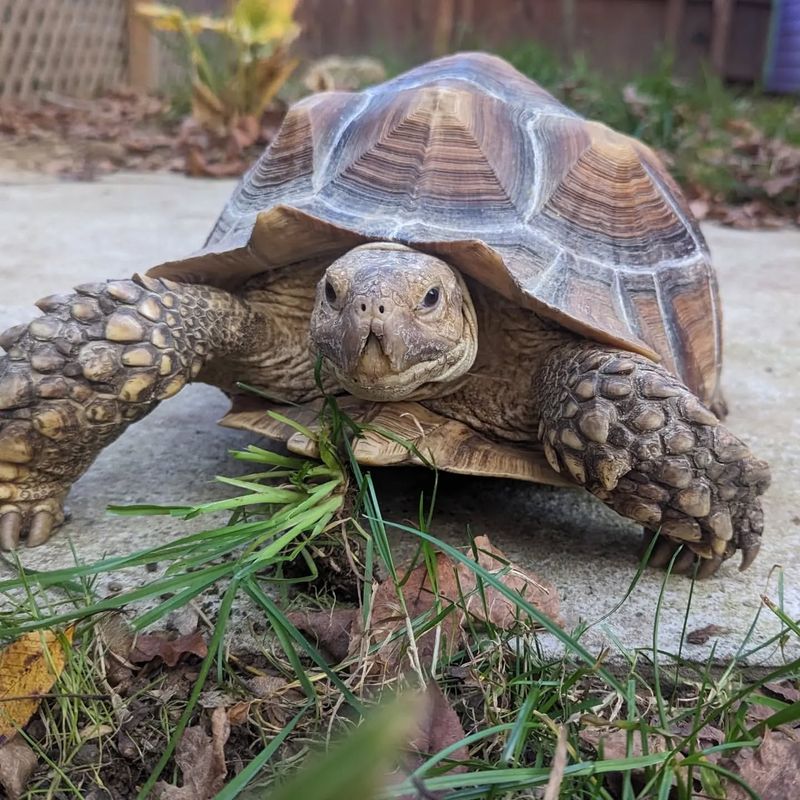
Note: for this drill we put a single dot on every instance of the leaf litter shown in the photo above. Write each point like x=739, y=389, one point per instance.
x=29, y=667
x=449, y=591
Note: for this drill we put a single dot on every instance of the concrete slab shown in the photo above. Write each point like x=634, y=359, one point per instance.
x=53, y=235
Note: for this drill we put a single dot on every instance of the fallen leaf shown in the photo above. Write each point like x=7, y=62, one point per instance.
x=267, y=686
x=706, y=737
x=497, y=608
x=779, y=184
x=437, y=727
x=786, y=690
x=215, y=698
x=239, y=712
x=198, y=167
x=613, y=742
x=387, y=618
x=149, y=646
x=770, y=770
x=244, y=131
x=17, y=762
x=702, y=635
x=330, y=629
x=201, y=759
x=29, y=667
x=342, y=632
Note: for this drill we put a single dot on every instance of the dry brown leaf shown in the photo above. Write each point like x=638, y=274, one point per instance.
x=437, y=728
x=498, y=609
x=786, y=690
x=201, y=759
x=266, y=687
x=29, y=667
x=387, y=617
x=706, y=737
x=150, y=646
x=329, y=629
x=198, y=167
x=245, y=131
x=780, y=183
x=613, y=742
x=239, y=712
x=702, y=635
x=457, y=589
x=771, y=770
x=17, y=762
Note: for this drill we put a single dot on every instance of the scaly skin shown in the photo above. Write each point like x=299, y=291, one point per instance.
x=97, y=361
x=637, y=438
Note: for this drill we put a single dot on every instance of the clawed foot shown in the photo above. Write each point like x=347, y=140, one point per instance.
x=34, y=521
x=688, y=561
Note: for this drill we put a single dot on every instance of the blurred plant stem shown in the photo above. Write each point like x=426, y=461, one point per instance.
x=254, y=38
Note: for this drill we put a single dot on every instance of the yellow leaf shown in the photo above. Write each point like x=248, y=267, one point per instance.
x=161, y=17
x=202, y=22
x=29, y=667
x=172, y=18
x=265, y=21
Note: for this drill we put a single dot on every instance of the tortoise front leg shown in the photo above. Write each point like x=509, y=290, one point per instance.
x=636, y=437
x=98, y=360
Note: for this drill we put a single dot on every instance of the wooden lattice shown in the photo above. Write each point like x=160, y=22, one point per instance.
x=70, y=47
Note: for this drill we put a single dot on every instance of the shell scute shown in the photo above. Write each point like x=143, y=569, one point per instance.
x=467, y=159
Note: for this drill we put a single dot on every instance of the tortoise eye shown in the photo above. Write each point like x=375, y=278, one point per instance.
x=330, y=292
x=431, y=298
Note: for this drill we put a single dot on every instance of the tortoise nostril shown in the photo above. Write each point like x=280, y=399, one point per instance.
x=363, y=306
x=380, y=309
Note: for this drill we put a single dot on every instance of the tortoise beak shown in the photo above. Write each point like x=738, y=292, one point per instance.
x=374, y=363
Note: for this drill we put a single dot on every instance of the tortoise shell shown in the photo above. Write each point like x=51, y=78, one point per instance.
x=467, y=159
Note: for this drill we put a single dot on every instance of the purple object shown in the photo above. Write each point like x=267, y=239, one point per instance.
x=782, y=70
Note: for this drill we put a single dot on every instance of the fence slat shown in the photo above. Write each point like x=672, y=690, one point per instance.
x=72, y=47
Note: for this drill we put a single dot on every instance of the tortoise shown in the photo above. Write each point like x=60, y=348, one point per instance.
x=520, y=291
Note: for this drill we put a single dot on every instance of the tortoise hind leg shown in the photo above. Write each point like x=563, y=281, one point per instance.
x=75, y=378
x=636, y=437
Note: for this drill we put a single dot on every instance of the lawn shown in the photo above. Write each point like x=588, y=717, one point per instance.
x=487, y=707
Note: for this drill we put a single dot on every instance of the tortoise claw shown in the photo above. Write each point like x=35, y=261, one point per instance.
x=661, y=554
x=684, y=562
x=10, y=528
x=41, y=528
x=709, y=566
x=748, y=556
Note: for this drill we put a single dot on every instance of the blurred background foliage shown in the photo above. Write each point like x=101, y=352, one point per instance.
x=217, y=76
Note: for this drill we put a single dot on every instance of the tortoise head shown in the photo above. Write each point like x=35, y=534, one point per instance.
x=390, y=320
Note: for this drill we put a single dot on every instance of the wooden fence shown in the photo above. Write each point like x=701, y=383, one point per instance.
x=78, y=47
x=70, y=47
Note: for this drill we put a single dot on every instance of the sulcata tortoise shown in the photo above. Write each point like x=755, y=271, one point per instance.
x=520, y=291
